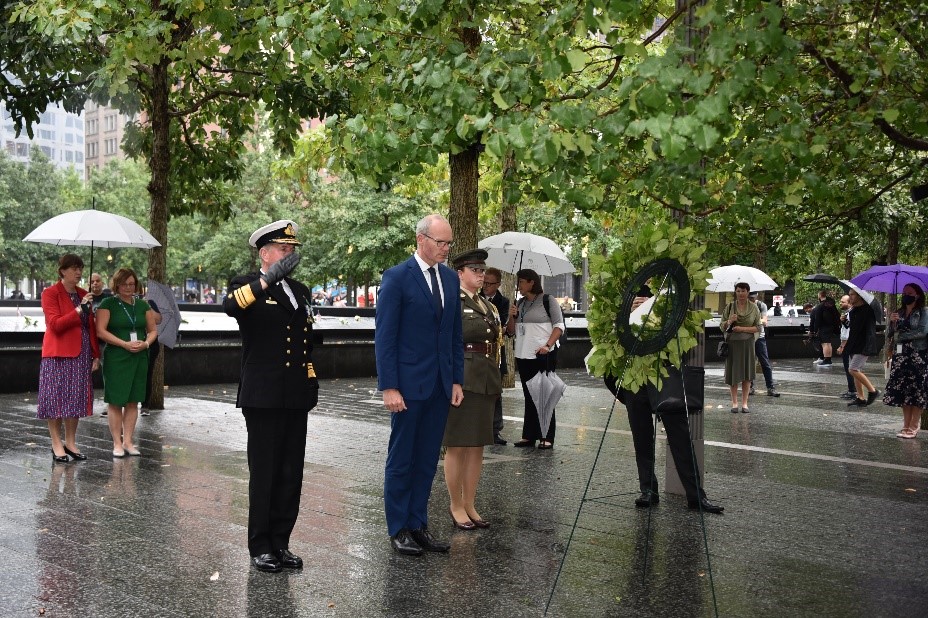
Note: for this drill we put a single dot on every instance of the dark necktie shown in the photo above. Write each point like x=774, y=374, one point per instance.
x=436, y=291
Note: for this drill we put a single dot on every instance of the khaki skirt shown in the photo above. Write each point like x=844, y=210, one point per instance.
x=471, y=424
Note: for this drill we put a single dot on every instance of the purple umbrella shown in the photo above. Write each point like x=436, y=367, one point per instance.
x=892, y=278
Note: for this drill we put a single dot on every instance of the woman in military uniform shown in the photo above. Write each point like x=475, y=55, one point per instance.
x=470, y=426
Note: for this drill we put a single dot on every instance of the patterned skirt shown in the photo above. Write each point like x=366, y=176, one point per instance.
x=908, y=379
x=66, y=385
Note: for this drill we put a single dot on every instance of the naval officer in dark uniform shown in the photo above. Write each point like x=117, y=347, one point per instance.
x=277, y=389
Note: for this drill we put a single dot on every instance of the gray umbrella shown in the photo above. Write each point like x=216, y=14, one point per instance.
x=546, y=389
x=167, y=307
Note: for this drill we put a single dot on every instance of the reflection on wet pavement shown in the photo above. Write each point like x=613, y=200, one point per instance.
x=824, y=515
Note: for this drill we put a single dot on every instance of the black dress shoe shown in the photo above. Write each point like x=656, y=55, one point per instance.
x=858, y=402
x=426, y=541
x=704, y=505
x=403, y=543
x=288, y=559
x=267, y=563
x=60, y=459
x=524, y=444
x=77, y=456
x=646, y=499
x=498, y=439
x=772, y=392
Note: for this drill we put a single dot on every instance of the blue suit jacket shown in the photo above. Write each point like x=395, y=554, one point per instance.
x=414, y=349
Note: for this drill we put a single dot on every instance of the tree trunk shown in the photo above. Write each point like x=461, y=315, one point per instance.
x=159, y=189
x=463, y=210
x=507, y=223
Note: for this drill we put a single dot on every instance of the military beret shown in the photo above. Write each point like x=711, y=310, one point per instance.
x=475, y=257
x=283, y=232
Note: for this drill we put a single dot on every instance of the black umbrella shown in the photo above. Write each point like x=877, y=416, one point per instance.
x=829, y=279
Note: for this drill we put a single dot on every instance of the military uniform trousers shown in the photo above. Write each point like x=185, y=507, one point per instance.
x=276, y=450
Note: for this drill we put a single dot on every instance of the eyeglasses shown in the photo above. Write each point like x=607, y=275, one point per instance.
x=487, y=283
x=441, y=243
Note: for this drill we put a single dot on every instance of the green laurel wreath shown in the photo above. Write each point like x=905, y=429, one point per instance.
x=609, y=277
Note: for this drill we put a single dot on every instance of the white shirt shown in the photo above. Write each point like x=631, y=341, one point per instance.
x=283, y=284
x=428, y=278
x=533, y=327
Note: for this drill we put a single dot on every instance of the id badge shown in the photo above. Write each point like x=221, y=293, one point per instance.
x=898, y=348
x=133, y=336
x=521, y=328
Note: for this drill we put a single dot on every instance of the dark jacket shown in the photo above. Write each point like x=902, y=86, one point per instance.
x=862, y=323
x=502, y=308
x=277, y=344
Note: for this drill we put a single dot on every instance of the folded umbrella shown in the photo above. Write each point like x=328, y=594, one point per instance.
x=545, y=388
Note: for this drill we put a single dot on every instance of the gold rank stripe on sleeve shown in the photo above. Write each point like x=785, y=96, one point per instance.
x=244, y=296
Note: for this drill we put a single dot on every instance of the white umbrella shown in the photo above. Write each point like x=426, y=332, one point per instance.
x=92, y=228
x=724, y=279
x=545, y=388
x=167, y=307
x=513, y=251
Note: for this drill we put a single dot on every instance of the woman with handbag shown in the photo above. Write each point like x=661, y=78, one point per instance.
x=908, y=376
x=537, y=323
x=741, y=324
x=862, y=332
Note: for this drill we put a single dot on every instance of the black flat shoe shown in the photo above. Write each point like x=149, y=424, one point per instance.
x=467, y=525
x=77, y=456
x=60, y=458
x=704, y=505
x=426, y=541
x=857, y=402
x=871, y=397
x=403, y=543
x=543, y=446
x=524, y=443
x=288, y=559
x=647, y=499
x=267, y=563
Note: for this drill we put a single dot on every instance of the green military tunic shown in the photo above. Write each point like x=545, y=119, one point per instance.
x=471, y=424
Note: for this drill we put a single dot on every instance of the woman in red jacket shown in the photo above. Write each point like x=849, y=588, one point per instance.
x=70, y=355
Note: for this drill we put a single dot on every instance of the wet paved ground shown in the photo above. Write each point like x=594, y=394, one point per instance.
x=825, y=516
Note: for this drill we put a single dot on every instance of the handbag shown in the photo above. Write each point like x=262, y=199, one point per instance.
x=722, y=350
x=680, y=391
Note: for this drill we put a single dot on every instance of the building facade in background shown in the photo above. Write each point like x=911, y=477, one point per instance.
x=59, y=134
x=104, y=128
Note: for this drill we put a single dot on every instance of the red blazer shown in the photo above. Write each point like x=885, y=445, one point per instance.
x=63, y=324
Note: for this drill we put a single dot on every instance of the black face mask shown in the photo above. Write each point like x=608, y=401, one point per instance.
x=908, y=300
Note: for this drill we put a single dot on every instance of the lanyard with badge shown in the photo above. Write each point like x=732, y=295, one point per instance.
x=133, y=334
x=522, y=311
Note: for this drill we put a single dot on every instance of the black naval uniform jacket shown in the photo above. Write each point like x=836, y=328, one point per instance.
x=277, y=344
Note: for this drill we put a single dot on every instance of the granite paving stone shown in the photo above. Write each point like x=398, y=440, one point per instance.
x=824, y=514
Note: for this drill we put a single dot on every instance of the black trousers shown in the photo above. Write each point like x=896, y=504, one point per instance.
x=641, y=421
x=528, y=367
x=276, y=450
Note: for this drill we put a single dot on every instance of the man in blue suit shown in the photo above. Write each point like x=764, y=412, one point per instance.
x=420, y=369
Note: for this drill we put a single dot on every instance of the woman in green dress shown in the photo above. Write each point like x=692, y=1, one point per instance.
x=126, y=324
x=740, y=323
